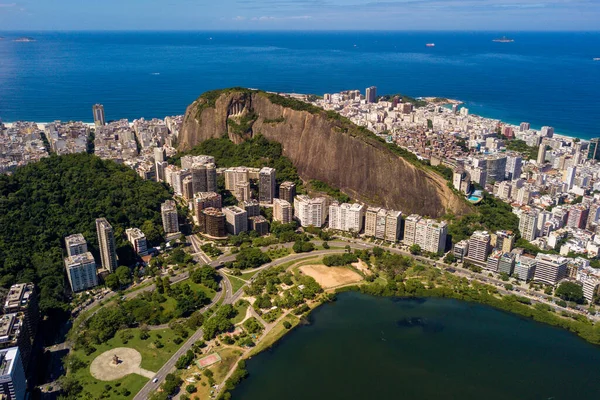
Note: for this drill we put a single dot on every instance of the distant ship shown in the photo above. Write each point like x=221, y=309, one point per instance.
x=597, y=59
x=503, y=39
x=430, y=45
x=25, y=39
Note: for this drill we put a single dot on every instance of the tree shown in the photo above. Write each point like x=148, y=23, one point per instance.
x=112, y=281
x=570, y=291
x=377, y=251
x=123, y=273
x=191, y=388
x=415, y=249
x=325, y=245
x=449, y=258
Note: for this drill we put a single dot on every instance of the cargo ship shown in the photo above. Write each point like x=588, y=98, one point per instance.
x=503, y=39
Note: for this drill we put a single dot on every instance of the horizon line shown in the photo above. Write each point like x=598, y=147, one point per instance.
x=297, y=30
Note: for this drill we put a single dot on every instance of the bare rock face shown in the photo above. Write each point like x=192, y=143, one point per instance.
x=322, y=147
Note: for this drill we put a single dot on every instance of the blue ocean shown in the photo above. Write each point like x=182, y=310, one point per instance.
x=543, y=78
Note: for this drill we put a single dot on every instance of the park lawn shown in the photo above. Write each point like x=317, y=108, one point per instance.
x=276, y=333
x=278, y=253
x=171, y=303
x=380, y=281
x=152, y=359
x=98, y=389
x=236, y=283
x=241, y=312
x=248, y=275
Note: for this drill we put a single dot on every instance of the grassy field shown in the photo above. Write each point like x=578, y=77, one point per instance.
x=279, y=253
x=248, y=275
x=153, y=359
x=241, y=312
x=236, y=282
x=171, y=303
x=274, y=334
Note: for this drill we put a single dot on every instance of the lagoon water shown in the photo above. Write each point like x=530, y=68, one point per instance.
x=544, y=78
x=363, y=347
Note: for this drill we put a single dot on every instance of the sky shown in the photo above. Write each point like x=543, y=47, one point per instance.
x=488, y=15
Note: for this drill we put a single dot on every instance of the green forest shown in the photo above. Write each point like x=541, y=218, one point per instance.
x=61, y=195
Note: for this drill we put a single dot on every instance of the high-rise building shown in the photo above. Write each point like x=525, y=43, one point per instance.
x=282, y=211
x=479, y=246
x=204, y=200
x=170, y=220
x=138, y=240
x=371, y=94
x=393, y=225
x=266, y=185
x=252, y=207
x=22, y=298
x=106, y=244
x=212, y=222
x=371, y=221
x=506, y=263
x=76, y=244
x=461, y=181
x=541, y=158
x=514, y=166
x=547, y=131
x=503, y=241
x=187, y=188
x=287, y=191
x=310, y=211
x=98, y=110
x=160, y=163
x=593, y=151
x=259, y=224
x=242, y=191
x=569, y=177
x=235, y=175
x=410, y=229
x=524, y=268
x=461, y=250
x=525, y=126
x=346, y=217
x=430, y=235
x=550, y=269
x=81, y=271
x=528, y=225
x=187, y=162
x=578, y=216
x=236, y=220
x=13, y=383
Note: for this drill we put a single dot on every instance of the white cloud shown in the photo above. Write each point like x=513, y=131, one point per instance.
x=7, y=5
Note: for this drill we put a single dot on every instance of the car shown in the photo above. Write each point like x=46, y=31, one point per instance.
x=154, y=380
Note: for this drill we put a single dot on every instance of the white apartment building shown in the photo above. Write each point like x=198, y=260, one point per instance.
x=346, y=217
x=168, y=212
x=479, y=245
x=550, y=269
x=310, y=212
x=138, y=240
x=75, y=244
x=81, y=271
x=236, y=220
x=528, y=225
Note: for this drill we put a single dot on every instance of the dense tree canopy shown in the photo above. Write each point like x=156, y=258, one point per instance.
x=61, y=195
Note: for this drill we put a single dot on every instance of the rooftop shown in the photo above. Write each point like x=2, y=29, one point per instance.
x=19, y=295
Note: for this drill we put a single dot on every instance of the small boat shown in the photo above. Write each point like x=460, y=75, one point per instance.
x=503, y=39
x=430, y=45
x=596, y=58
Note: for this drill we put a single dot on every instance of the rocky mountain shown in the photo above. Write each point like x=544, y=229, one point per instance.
x=324, y=146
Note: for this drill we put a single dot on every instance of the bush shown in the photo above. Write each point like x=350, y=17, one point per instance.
x=287, y=325
x=191, y=389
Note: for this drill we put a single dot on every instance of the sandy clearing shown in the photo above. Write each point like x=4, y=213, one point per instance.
x=329, y=277
x=362, y=267
x=103, y=368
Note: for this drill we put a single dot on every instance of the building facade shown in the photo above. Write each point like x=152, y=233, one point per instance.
x=106, y=244
x=282, y=211
x=170, y=220
x=310, y=211
x=138, y=241
x=266, y=185
x=236, y=220
x=81, y=272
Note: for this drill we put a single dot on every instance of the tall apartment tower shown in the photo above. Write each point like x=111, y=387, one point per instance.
x=22, y=298
x=410, y=229
x=287, y=191
x=266, y=185
x=479, y=247
x=81, y=271
x=138, y=240
x=98, y=110
x=346, y=217
x=13, y=384
x=236, y=220
x=371, y=94
x=106, y=244
x=205, y=200
x=76, y=244
x=282, y=211
x=160, y=163
x=168, y=212
x=550, y=269
x=528, y=225
x=541, y=158
x=371, y=221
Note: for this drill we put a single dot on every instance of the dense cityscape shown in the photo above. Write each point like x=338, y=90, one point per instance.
x=549, y=181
